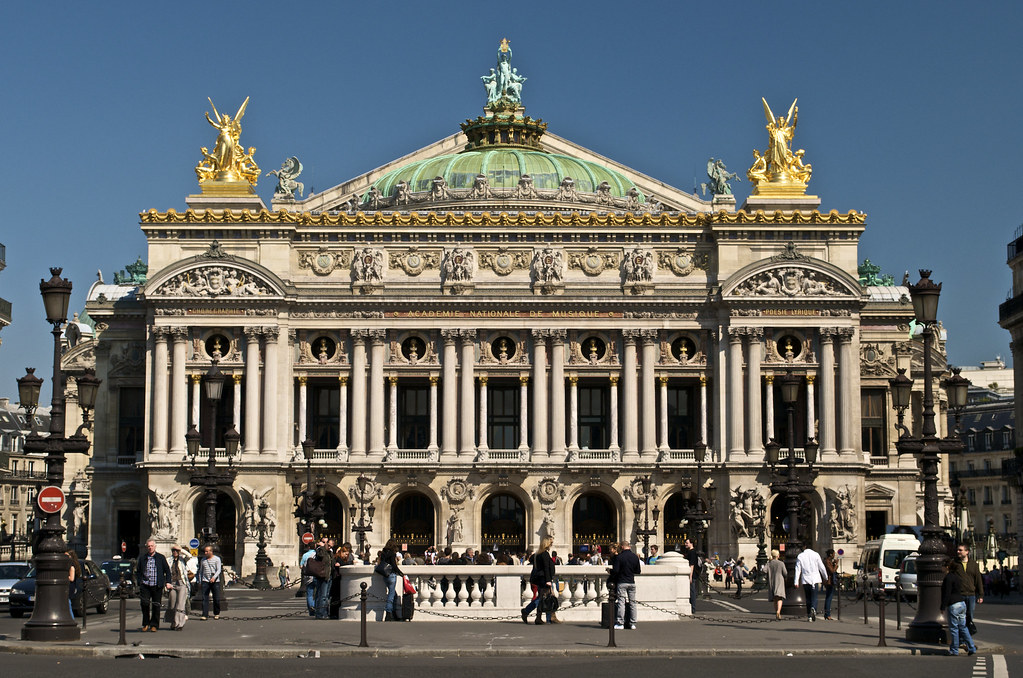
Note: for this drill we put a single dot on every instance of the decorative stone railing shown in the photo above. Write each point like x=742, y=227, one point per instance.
x=483, y=592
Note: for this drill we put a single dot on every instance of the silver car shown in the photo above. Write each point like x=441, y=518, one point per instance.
x=10, y=573
x=907, y=576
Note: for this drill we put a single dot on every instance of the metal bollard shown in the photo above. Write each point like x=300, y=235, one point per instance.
x=839, y=596
x=898, y=603
x=880, y=640
x=612, y=599
x=362, y=601
x=865, y=606
x=122, y=594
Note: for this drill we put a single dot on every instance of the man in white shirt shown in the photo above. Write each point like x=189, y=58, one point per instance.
x=810, y=572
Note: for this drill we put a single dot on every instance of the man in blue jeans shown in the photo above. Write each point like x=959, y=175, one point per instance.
x=971, y=584
x=308, y=581
x=210, y=569
x=810, y=572
x=624, y=569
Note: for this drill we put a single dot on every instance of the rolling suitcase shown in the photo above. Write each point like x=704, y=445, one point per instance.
x=408, y=606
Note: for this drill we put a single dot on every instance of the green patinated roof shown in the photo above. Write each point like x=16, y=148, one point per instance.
x=503, y=167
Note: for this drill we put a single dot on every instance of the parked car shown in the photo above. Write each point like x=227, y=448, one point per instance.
x=10, y=573
x=879, y=562
x=95, y=591
x=907, y=576
x=114, y=569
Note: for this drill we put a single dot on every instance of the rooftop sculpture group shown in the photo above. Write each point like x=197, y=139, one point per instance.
x=229, y=160
x=779, y=171
x=505, y=84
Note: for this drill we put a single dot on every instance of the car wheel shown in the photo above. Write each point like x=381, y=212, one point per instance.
x=17, y=614
x=102, y=608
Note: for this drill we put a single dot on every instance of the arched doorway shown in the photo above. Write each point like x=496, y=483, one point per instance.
x=676, y=531
x=226, y=522
x=780, y=521
x=412, y=521
x=594, y=523
x=503, y=524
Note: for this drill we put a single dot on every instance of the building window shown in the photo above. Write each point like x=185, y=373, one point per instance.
x=972, y=494
x=873, y=423
x=413, y=415
x=1006, y=440
x=989, y=440
x=324, y=415
x=131, y=421
x=593, y=416
x=683, y=429
x=503, y=415
x=987, y=496
x=1005, y=495
x=1006, y=523
x=987, y=464
x=971, y=442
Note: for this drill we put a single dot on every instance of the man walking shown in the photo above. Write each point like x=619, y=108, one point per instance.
x=971, y=584
x=308, y=581
x=624, y=569
x=210, y=569
x=154, y=577
x=810, y=572
x=694, y=577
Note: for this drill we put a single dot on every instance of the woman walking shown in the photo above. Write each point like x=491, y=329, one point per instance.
x=177, y=600
x=776, y=575
x=541, y=580
x=739, y=574
x=74, y=578
x=389, y=564
x=831, y=565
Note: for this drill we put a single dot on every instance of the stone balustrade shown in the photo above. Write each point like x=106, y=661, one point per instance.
x=486, y=591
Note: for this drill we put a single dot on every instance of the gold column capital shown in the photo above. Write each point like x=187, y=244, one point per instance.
x=613, y=379
x=302, y=379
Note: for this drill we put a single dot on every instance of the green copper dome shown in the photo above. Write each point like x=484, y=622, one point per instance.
x=503, y=166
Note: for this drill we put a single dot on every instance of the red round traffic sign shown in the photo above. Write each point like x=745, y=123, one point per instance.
x=50, y=499
x=308, y=538
x=124, y=546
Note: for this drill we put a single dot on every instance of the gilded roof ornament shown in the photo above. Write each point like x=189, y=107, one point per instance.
x=779, y=171
x=229, y=169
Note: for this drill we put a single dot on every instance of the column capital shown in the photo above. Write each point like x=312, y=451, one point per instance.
x=236, y=377
x=630, y=337
x=302, y=379
x=434, y=380
x=160, y=332
x=343, y=380
x=827, y=332
x=845, y=334
x=810, y=378
x=392, y=380
x=539, y=334
x=377, y=336
x=755, y=333
x=735, y=334
x=648, y=336
x=179, y=333
x=573, y=379
x=703, y=380
x=483, y=379
x=613, y=379
x=902, y=348
x=449, y=336
x=769, y=378
x=523, y=379
x=196, y=378
x=292, y=334
x=360, y=334
x=558, y=333
x=663, y=380
x=271, y=332
x=467, y=335
x=253, y=333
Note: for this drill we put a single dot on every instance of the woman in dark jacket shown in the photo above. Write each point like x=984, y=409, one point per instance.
x=541, y=579
x=388, y=557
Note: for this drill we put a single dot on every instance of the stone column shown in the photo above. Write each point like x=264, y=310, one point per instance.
x=523, y=414
x=736, y=416
x=573, y=416
x=236, y=416
x=483, y=442
x=754, y=414
x=449, y=429
x=392, y=411
x=811, y=416
x=847, y=364
x=270, y=389
x=376, y=393
x=770, y=406
x=433, y=413
x=359, y=393
x=303, y=407
x=342, y=415
x=648, y=400
x=467, y=451
x=614, y=413
x=630, y=396
x=663, y=381
x=179, y=392
x=161, y=390
x=250, y=436
x=540, y=391
x=558, y=419
x=703, y=409
x=827, y=390
x=196, y=380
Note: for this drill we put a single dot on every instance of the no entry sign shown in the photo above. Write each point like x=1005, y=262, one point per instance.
x=50, y=499
x=307, y=538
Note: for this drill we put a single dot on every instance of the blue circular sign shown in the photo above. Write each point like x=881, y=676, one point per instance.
x=194, y=544
x=841, y=552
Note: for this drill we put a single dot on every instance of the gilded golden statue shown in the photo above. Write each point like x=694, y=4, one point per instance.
x=780, y=170
x=229, y=160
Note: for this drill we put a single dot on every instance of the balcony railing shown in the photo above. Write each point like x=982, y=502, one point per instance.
x=1010, y=307
x=5, y=312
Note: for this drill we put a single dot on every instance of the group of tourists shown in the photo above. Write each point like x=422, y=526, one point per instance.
x=155, y=575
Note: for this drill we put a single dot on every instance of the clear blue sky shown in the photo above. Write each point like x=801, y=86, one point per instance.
x=909, y=111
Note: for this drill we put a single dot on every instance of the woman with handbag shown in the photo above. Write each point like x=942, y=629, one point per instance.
x=388, y=568
x=541, y=580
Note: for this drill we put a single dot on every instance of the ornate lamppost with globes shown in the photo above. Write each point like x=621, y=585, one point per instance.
x=260, y=581
x=51, y=619
x=211, y=477
x=309, y=500
x=699, y=510
x=363, y=522
x=959, y=495
x=929, y=624
x=792, y=486
x=647, y=531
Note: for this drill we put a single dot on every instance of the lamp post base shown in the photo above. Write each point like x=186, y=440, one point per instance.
x=927, y=631
x=795, y=601
x=57, y=632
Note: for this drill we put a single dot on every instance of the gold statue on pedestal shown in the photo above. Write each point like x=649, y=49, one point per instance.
x=779, y=171
x=229, y=163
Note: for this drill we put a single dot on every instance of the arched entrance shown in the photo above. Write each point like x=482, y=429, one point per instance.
x=334, y=516
x=412, y=522
x=594, y=523
x=675, y=529
x=503, y=524
x=226, y=522
x=780, y=521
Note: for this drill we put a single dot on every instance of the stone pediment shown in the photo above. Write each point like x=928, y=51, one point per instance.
x=215, y=275
x=791, y=276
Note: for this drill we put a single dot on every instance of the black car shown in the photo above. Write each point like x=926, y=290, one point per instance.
x=114, y=569
x=95, y=592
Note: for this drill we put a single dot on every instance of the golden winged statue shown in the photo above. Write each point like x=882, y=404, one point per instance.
x=779, y=170
x=229, y=160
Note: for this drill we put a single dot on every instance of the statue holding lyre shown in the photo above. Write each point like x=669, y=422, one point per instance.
x=780, y=170
x=229, y=161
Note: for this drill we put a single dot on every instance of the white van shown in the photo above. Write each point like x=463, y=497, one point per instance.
x=880, y=560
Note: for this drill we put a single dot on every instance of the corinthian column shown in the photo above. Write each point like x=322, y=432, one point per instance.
x=392, y=419
x=540, y=391
x=648, y=439
x=754, y=412
x=342, y=415
x=449, y=429
x=467, y=419
x=236, y=415
x=161, y=391
x=483, y=446
x=376, y=393
x=827, y=390
x=630, y=396
x=663, y=381
x=769, y=391
x=303, y=407
x=848, y=370
x=573, y=417
x=250, y=438
x=558, y=394
x=614, y=412
x=270, y=388
x=703, y=409
x=179, y=392
x=736, y=416
x=523, y=414
x=359, y=393
x=811, y=416
x=433, y=413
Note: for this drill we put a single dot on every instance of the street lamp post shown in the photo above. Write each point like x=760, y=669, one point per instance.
x=929, y=624
x=362, y=523
x=51, y=619
x=309, y=501
x=647, y=531
x=760, y=521
x=699, y=510
x=792, y=487
x=260, y=581
x=958, y=505
x=211, y=478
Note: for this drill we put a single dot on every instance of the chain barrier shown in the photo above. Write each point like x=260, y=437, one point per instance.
x=286, y=615
x=602, y=598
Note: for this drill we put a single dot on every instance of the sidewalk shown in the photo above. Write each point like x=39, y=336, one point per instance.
x=246, y=632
